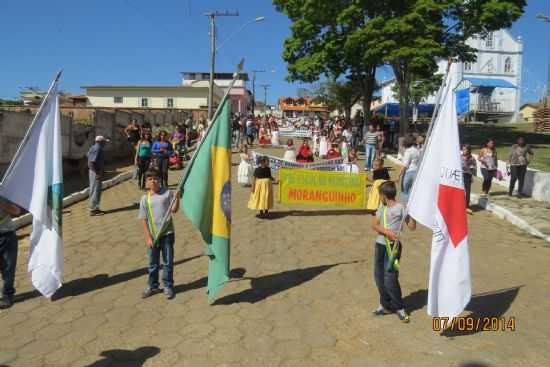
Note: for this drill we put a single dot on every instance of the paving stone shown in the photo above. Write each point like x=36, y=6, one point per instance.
x=64, y=356
x=292, y=349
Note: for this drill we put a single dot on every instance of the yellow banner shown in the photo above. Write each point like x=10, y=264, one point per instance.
x=322, y=188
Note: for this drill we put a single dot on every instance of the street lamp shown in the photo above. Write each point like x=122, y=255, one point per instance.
x=546, y=18
x=213, y=49
x=254, y=87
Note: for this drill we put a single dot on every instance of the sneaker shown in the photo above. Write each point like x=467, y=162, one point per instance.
x=6, y=302
x=148, y=292
x=403, y=316
x=96, y=212
x=169, y=293
x=381, y=311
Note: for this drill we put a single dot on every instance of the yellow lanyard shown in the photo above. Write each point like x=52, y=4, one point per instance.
x=391, y=253
x=151, y=217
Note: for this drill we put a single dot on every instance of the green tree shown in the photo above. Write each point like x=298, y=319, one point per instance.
x=341, y=95
x=328, y=38
x=417, y=32
x=420, y=88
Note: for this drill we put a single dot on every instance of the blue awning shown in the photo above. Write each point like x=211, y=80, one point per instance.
x=494, y=83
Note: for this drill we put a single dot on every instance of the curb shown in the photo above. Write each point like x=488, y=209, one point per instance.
x=499, y=211
x=506, y=214
x=26, y=219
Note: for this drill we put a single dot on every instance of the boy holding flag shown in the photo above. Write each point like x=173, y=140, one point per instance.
x=155, y=210
x=387, y=223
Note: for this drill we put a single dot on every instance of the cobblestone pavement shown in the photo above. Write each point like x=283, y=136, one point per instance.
x=534, y=212
x=302, y=295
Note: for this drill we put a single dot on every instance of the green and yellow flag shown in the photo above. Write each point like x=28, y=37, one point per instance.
x=206, y=196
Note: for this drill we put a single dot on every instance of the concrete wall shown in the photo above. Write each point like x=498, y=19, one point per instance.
x=537, y=183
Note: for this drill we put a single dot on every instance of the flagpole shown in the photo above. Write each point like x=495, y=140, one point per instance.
x=26, y=137
x=429, y=133
x=218, y=110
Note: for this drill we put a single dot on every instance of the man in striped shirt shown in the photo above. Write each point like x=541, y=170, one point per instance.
x=371, y=141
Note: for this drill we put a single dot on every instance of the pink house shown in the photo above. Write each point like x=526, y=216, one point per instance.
x=240, y=97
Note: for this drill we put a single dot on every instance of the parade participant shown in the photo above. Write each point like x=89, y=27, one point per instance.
x=333, y=152
x=419, y=142
x=352, y=155
x=201, y=129
x=274, y=135
x=408, y=170
x=143, y=158
x=261, y=195
x=96, y=168
x=178, y=137
x=380, y=175
x=371, y=144
x=345, y=150
x=249, y=127
x=380, y=172
x=161, y=151
x=323, y=146
x=236, y=130
x=469, y=168
x=244, y=173
x=520, y=156
x=133, y=133
x=8, y=250
x=157, y=224
x=316, y=142
x=387, y=224
x=381, y=140
x=305, y=154
x=351, y=166
x=290, y=155
x=263, y=136
x=488, y=159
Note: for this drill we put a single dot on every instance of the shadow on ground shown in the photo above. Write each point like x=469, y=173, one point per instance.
x=202, y=282
x=133, y=358
x=269, y=285
x=485, y=306
x=80, y=286
x=416, y=300
x=123, y=209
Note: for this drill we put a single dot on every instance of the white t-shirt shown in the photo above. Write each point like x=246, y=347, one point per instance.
x=411, y=158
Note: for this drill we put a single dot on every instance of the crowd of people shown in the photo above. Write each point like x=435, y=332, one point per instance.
x=330, y=139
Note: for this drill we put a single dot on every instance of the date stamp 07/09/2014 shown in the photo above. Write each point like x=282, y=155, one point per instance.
x=470, y=323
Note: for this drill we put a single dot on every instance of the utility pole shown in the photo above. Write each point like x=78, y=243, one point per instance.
x=212, y=15
x=265, y=86
x=546, y=18
x=254, y=90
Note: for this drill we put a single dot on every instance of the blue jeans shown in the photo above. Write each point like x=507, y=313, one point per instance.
x=406, y=185
x=8, y=261
x=370, y=153
x=165, y=245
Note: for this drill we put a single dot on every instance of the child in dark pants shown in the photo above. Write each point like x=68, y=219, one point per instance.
x=387, y=223
x=469, y=168
x=157, y=225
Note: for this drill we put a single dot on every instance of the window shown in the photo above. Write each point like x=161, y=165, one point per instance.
x=118, y=100
x=508, y=65
x=467, y=66
x=490, y=66
x=489, y=40
x=170, y=103
x=144, y=102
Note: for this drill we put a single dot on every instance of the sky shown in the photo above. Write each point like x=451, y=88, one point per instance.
x=141, y=42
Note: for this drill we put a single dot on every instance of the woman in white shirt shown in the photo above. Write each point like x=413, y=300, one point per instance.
x=407, y=173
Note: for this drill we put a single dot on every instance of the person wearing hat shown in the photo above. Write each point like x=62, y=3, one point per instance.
x=96, y=166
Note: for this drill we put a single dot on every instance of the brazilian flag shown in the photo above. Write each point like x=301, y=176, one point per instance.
x=206, y=196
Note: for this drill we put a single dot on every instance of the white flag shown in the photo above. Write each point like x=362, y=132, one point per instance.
x=437, y=201
x=34, y=181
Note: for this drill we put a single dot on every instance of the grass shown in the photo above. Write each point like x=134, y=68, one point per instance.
x=506, y=136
